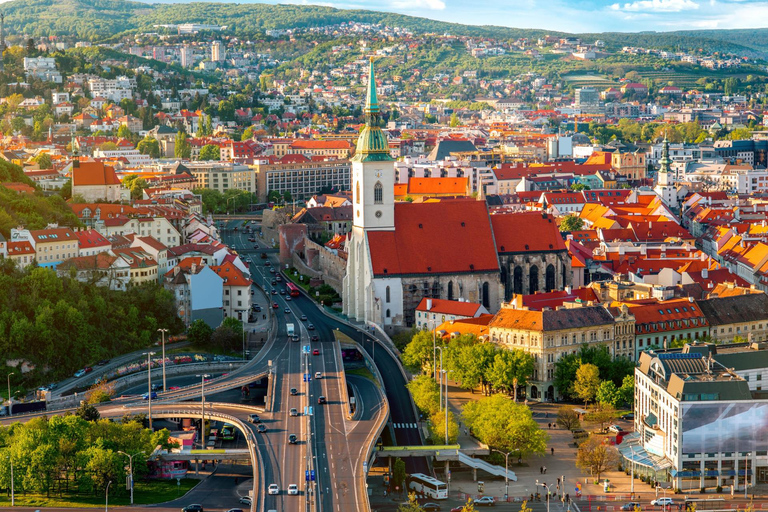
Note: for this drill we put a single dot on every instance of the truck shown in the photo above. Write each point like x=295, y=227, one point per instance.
x=289, y=328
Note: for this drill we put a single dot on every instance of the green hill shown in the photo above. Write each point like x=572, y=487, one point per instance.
x=101, y=19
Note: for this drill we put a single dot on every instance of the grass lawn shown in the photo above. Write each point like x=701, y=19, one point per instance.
x=362, y=372
x=144, y=493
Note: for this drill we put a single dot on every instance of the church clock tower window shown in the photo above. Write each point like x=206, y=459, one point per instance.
x=378, y=193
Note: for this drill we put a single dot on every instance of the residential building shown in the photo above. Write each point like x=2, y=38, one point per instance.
x=143, y=267
x=95, y=182
x=52, y=245
x=301, y=180
x=99, y=269
x=237, y=291
x=115, y=90
x=660, y=324
x=548, y=335
x=199, y=292
x=156, y=249
x=222, y=176
x=42, y=68
x=21, y=252
x=432, y=312
x=91, y=242
x=737, y=318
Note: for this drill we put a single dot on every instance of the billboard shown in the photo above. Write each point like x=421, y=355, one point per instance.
x=724, y=427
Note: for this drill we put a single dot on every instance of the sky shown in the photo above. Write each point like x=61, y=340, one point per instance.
x=575, y=15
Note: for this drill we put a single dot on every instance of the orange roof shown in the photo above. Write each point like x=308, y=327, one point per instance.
x=454, y=186
x=231, y=275
x=320, y=144
x=93, y=173
x=19, y=187
x=475, y=326
x=508, y=227
x=448, y=307
x=20, y=248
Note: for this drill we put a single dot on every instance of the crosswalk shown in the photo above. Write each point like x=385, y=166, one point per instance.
x=405, y=425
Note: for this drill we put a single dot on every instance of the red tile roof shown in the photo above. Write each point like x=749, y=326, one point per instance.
x=52, y=235
x=539, y=301
x=20, y=248
x=448, y=237
x=91, y=238
x=508, y=227
x=448, y=307
x=93, y=173
x=231, y=275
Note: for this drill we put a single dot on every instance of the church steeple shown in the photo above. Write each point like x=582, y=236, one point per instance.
x=664, y=161
x=372, y=144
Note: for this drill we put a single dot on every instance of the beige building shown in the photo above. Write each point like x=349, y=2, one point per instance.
x=222, y=176
x=742, y=316
x=631, y=165
x=548, y=335
x=302, y=180
x=51, y=245
x=143, y=266
x=96, y=182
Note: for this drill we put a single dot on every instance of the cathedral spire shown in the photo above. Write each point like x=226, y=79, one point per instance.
x=665, y=161
x=372, y=144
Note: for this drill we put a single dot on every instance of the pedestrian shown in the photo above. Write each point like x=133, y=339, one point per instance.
x=545, y=470
x=552, y=450
x=558, y=481
x=567, y=497
x=385, y=493
x=541, y=469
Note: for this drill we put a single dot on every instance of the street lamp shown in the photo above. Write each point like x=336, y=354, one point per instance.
x=149, y=385
x=106, y=503
x=130, y=466
x=13, y=493
x=440, y=383
x=163, y=332
x=202, y=397
x=227, y=204
x=547, y=487
x=506, y=471
x=10, y=402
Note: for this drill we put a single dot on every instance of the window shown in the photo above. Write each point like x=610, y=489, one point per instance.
x=378, y=193
x=357, y=192
x=387, y=293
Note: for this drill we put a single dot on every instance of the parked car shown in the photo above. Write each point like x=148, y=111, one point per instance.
x=632, y=505
x=629, y=416
x=293, y=439
x=487, y=501
x=293, y=490
x=321, y=399
x=193, y=508
x=294, y=412
x=254, y=418
x=273, y=489
x=662, y=502
x=615, y=429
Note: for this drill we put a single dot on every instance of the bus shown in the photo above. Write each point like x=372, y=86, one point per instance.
x=697, y=505
x=292, y=289
x=428, y=486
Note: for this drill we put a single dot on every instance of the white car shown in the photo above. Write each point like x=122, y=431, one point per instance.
x=318, y=375
x=245, y=500
x=293, y=489
x=663, y=502
x=273, y=489
x=615, y=429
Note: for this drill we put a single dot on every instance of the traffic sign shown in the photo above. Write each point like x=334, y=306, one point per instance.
x=312, y=475
x=306, y=475
x=365, y=467
x=310, y=411
x=305, y=410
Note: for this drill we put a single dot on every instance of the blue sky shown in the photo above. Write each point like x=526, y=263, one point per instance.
x=577, y=15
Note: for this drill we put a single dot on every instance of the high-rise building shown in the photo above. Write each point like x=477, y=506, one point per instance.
x=218, y=53
x=587, y=100
x=186, y=56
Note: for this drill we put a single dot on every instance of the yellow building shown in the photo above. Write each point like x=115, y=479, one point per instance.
x=143, y=266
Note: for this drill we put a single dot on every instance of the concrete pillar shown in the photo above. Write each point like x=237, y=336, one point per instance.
x=197, y=467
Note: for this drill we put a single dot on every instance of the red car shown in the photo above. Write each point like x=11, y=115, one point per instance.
x=316, y=352
x=274, y=305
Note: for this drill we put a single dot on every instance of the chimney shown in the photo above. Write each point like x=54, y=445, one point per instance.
x=429, y=304
x=568, y=290
x=705, y=273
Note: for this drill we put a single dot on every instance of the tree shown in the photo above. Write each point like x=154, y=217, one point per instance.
x=182, y=148
x=572, y=223
x=607, y=393
x=199, y=333
x=43, y=161
x=567, y=418
x=454, y=120
x=149, y=146
x=426, y=393
x=123, y=132
x=505, y=425
x=228, y=335
x=398, y=474
x=437, y=427
x=587, y=382
x=88, y=412
x=411, y=506
x=627, y=390
x=596, y=457
x=577, y=187
x=419, y=354
x=210, y=152
x=602, y=414
x=108, y=146
x=247, y=134
x=565, y=374
x=510, y=370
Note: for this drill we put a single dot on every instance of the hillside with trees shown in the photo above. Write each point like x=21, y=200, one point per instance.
x=98, y=20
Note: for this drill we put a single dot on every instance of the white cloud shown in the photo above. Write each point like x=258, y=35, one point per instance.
x=433, y=5
x=656, y=6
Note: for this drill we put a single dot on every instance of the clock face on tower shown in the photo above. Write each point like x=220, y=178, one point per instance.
x=377, y=174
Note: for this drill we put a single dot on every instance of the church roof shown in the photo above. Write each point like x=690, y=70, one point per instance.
x=448, y=237
x=509, y=228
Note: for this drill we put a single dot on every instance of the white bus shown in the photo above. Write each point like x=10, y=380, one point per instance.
x=428, y=486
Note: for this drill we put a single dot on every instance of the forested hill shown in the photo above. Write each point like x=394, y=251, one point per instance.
x=97, y=20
